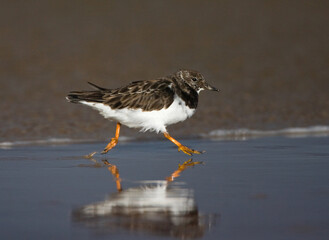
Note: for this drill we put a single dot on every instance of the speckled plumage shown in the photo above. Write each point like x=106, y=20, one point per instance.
x=150, y=104
x=147, y=95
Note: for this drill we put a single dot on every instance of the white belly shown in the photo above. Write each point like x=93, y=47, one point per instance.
x=146, y=120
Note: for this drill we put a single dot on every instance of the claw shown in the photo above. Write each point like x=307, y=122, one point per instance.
x=181, y=147
x=104, y=151
x=111, y=145
x=189, y=151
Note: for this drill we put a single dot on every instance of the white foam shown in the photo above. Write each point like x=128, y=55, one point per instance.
x=245, y=133
x=50, y=141
x=5, y=145
x=219, y=134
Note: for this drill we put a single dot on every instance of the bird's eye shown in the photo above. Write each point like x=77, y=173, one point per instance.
x=194, y=79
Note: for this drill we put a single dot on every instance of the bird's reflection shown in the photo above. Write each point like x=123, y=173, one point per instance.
x=156, y=207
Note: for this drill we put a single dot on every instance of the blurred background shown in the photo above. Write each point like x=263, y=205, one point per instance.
x=269, y=58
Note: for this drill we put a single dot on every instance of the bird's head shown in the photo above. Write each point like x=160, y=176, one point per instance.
x=195, y=80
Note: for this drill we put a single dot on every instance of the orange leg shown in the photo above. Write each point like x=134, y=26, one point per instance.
x=114, y=140
x=181, y=147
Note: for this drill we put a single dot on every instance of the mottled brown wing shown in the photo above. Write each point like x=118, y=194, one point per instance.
x=146, y=95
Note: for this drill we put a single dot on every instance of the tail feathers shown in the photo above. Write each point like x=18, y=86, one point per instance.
x=97, y=87
x=88, y=96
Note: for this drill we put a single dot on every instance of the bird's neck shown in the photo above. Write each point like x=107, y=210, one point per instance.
x=186, y=93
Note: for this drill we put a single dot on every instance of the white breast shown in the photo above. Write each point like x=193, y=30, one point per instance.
x=146, y=120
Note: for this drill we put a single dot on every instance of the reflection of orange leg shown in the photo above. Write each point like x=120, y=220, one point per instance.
x=181, y=147
x=115, y=172
x=114, y=140
x=181, y=168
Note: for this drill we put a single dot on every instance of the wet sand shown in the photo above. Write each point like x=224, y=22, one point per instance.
x=269, y=58
x=265, y=188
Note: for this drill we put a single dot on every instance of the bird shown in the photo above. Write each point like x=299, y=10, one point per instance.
x=148, y=105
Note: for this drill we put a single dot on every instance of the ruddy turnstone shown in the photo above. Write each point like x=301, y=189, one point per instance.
x=149, y=105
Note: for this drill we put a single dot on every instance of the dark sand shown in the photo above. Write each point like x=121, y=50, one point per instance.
x=269, y=58
x=266, y=188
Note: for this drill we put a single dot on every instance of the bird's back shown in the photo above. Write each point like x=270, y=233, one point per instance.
x=146, y=95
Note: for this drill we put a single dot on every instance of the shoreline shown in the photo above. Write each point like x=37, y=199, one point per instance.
x=218, y=135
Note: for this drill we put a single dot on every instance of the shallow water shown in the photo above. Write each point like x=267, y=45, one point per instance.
x=268, y=188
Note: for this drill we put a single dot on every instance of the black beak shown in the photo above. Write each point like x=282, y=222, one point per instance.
x=211, y=88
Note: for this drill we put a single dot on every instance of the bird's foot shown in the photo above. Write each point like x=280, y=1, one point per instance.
x=188, y=151
x=90, y=155
x=111, y=145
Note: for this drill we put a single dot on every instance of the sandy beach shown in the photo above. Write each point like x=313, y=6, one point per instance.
x=268, y=58
x=264, y=188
